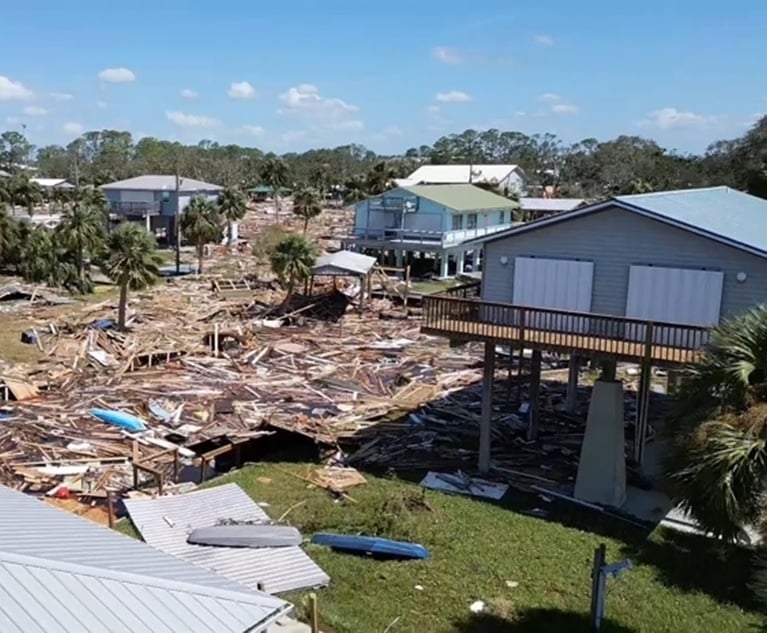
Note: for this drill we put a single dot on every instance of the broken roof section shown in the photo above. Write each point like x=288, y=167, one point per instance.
x=343, y=263
x=40, y=541
x=165, y=523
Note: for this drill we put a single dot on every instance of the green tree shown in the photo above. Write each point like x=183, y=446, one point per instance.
x=292, y=260
x=231, y=203
x=81, y=232
x=131, y=262
x=276, y=174
x=307, y=204
x=26, y=193
x=38, y=256
x=718, y=461
x=9, y=237
x=201, y=223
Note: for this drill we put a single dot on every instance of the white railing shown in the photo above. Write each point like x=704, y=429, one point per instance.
x=444, y=239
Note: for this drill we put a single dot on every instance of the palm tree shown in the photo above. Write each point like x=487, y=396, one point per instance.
x=201, y=223
x=379, y=178
x=231, y=203
x=9, y=237
x=81, y=231
x=307, y=204
x=27, y=194
x=275, y=173
x=292, y=260
x=131, y=262
x=38, y=256
x=718, y=461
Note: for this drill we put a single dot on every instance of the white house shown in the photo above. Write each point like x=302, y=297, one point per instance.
x=509, y=178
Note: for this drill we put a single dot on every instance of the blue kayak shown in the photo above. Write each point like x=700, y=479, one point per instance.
x=373, y=545
x=118, y=418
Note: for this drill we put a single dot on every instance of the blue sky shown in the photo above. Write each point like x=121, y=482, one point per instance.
x=296, y=74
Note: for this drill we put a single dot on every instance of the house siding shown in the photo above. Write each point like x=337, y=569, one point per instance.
x=167, y=199
x=616, y=239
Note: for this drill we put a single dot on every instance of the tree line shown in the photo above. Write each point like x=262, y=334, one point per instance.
x=589, y=168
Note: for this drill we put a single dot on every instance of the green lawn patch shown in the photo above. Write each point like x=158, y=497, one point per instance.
x=533, y=574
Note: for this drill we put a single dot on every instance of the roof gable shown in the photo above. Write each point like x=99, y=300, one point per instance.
x=462, y=197
x=719, y=213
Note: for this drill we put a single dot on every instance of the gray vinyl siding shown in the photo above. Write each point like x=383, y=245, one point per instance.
x=615, y=239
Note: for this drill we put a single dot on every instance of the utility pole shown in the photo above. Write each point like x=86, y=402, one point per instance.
x=178, y=222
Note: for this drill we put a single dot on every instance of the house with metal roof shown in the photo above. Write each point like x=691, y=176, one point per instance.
x=505, y=178
x=155, y=200
x=536, y=208
x=432, y=220
x=638, y=278
x=60, y=572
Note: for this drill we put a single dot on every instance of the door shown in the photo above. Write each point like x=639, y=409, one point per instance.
x=674, y=295
x=556, y=284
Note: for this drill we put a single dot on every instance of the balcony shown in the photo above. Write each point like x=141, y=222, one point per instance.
x=459, y=317
x=135, y=208
x=440, y=239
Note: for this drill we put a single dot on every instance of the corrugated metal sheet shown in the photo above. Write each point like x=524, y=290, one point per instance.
x=722, y=211
x=550, y=205
x=451, y=174
x=462, y=197
x=161, y=183
x=344, y=261
x=165, y=523
x=31, y=527
x=40, y=596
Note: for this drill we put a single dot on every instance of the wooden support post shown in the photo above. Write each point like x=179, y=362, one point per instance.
x=176, y=466
x=202, y=469
x=535, y=392
x=643, y=411
x=110, y=508
x=407, y=283
x=509, y=375
x=215, y=339
x=571, y=402
x=485, y=424
x=314, y=613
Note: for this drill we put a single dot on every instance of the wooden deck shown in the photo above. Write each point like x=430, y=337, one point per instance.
x=560, y=331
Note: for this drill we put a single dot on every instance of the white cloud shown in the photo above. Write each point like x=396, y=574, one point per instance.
x=187, y=93
x=305, y=99
x=291, y=136
x=241, y=90
x=12, y=120
x=31, y=110
x=672, y=118
x=61, y=96
x=191, y=120
x=389, y=133
x=101, y=104
x=447, y=55
x=353, y=125
x=564, y=108
x=550, y=97
x=13, y=90
x=73, y=128
x=453, y=96
x=433, y=110
x=544, y=40
x=117, y=75
x=254, y=130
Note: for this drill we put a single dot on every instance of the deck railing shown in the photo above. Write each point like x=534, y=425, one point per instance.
x=560, y=330
x=135, y=208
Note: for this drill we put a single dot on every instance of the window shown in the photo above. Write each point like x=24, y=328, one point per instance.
x=471, y=221
x=502, y=217
x=457, y=222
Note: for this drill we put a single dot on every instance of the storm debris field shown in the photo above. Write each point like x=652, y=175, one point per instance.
x=218, y=371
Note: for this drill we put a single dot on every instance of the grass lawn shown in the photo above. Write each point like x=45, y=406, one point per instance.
x=480, y=550
x=12, y=325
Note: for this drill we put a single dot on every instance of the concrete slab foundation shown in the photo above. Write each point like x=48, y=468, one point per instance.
x=602, y=468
